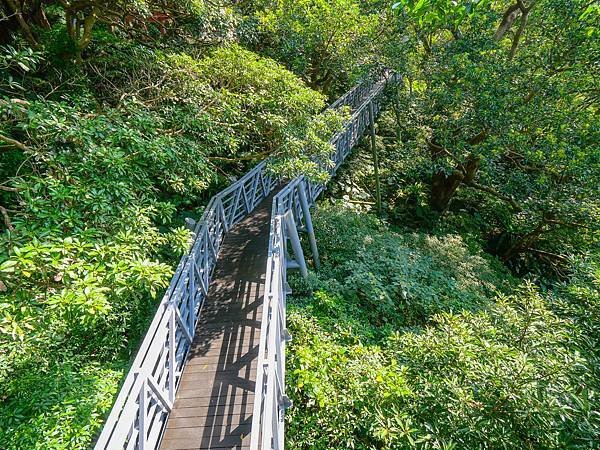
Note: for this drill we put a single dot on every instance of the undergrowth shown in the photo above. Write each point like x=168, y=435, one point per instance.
x=405, y=340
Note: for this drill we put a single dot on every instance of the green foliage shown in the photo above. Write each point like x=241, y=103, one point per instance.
x=272, y=112
x=451, y=363
x=321, y=40
x=505, y=378
x=79, y=20
x=14, y=64
x=435, y=14
x=496, y=127
x=380, y=271
x=233, y=105
x=118, y=119
x=59, y=407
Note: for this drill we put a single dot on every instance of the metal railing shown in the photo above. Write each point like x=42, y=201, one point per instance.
x=146, y=398
x=356, y=96
x=291, y=212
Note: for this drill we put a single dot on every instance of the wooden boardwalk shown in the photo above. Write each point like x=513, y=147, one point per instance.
x=213, y=407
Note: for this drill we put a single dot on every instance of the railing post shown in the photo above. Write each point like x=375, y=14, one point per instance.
x=192, y=294
x=375, y=158
x=308, y=222
x=172, y=347
x=292, y=232
x=142, y=418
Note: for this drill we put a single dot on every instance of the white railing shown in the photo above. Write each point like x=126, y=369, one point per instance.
x=290, y=212
x=356, y=96
x=146, y=398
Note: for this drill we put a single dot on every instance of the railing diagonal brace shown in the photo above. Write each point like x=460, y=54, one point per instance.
x=152, y=384
x=182, y=324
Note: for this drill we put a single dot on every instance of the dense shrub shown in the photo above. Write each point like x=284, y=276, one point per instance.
x=58, y=404
x=406, y=340
x=402, y=278
x=231, y=101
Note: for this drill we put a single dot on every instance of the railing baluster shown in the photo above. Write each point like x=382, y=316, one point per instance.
x=142, y=416
x=192, y=295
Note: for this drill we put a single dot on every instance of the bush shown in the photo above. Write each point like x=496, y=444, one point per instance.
x=402, y=278
x=58, y=405
x=461, y=360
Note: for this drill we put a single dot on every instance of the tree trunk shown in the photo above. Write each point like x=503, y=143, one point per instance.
x=38, y=16
x=443, y=188
x=375, y=158
x=507, y=21
x=15, y=9
x=79, y=28
x=9, y=24
x=398, y=113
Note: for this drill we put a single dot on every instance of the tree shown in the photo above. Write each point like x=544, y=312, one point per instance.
x=321, y=40
x=81, y=16
x=508, y=103
x=21, y=15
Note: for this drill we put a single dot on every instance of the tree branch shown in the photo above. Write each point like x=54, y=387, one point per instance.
x=523, y=7
x=7, y=222
x=568, y=224
x=515, y=158
x=241, y=158
x=496, y=194
x=524, y=241
x=18, y=13
x=433, y=147
x=8, y=188
x=17, y=103
x=507, y=20
x=13, y=143
x=479, y=138
x=88, y=24
x=548, y=254
x=518, y=34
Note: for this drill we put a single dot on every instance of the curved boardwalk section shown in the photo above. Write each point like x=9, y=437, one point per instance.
x=213, y=407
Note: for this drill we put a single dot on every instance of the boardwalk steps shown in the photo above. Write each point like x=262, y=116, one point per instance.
x=210, y=372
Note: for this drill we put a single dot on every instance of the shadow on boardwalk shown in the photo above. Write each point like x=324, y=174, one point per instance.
x=214, y=403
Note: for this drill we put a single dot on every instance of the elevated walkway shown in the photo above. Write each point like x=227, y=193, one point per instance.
x=213, y=407
x=210, y=372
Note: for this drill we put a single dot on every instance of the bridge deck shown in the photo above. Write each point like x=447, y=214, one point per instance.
x=213, y=407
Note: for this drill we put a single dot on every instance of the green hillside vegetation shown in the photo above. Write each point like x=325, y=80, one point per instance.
x=463, y=312
x=406, y=339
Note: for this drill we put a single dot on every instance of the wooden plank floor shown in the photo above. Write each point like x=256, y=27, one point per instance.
x=213, y=407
